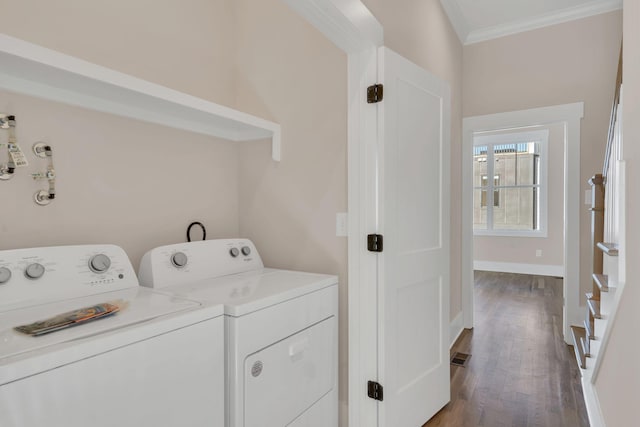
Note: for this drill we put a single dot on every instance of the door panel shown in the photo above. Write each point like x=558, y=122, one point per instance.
x=413, y=129
x=413, y=309
x=418, y=305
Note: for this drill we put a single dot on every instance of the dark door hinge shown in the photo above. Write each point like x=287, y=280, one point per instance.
x=374, y=242
x=374, y=390
x=375, y=93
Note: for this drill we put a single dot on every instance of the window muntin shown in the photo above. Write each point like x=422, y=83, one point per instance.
x=514, y=202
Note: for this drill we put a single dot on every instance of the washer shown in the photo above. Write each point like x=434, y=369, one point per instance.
x=281, y=329
x=143, y=366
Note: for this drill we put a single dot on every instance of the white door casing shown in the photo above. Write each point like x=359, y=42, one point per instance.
x=413, y=269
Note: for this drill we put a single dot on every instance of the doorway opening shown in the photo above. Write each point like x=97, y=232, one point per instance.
x=496, y=139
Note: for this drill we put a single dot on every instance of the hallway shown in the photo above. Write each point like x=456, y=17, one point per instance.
x=520, y=373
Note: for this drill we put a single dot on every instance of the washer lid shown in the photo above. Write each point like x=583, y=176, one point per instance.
x=144, y=306
x=245, y=293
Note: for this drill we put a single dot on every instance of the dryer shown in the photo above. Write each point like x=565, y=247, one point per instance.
x=281, y=329
x=143, y=366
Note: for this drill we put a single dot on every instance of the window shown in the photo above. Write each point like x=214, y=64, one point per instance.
x=513, y=203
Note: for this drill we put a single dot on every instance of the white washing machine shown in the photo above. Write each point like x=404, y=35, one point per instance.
x=281, y=329
x=143, y=366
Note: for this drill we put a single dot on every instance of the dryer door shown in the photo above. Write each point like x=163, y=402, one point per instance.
x=287, y=378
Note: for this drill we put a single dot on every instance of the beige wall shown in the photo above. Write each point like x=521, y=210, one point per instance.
x=561, y=64
x=289, y=72
x=183, y=44
x=522, y=250
x=119, y=181
x=618, y=383
x=122, y=181
x=420, y=31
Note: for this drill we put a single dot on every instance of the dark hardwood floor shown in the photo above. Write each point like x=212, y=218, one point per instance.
x=520, y=373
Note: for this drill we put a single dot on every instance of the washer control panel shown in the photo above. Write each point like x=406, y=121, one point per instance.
x=192, y=261
x=55, y=273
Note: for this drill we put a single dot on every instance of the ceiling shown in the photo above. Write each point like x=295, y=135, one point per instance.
x=480, y=20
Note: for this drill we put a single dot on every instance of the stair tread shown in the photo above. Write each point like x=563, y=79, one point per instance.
x=610, y=249
x=602, y=280
x=578, y=335
x=594, y=307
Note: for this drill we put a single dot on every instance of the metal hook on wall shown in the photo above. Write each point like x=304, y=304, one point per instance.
x=8, y=169
x=44, y=197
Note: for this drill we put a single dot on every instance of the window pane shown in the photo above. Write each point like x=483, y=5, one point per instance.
x=480, y=166
x=483, y=195
x=528, y=171
x=516, y=210
x=504, y=163
x=517, y=164
x=479, y=210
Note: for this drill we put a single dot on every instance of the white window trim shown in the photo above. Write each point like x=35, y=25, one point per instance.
x=541, y=136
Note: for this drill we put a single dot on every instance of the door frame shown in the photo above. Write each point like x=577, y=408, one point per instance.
x=570, y=116
x=354, y=29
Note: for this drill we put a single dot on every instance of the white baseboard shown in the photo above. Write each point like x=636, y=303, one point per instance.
x=592, y=403
x=455, y=329
x=512, y=267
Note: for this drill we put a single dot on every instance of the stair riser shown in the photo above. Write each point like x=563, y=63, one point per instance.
x=606, y=303
x=599, y=328
x=594, y=348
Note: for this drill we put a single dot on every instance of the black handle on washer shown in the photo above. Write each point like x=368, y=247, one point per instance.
x=204, y=230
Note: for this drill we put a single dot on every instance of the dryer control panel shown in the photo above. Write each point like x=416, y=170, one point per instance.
x=193, y=261
x=48, y=274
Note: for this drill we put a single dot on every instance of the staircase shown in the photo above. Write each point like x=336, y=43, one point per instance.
x=607, y=229
x=600, y=302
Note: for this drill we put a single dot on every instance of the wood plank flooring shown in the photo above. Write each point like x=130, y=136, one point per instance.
x=521, y=373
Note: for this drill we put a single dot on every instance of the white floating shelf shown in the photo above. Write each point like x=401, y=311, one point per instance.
x=44, y=73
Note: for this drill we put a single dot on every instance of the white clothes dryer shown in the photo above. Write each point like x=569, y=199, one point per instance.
x=281, y=329
x=143, y=366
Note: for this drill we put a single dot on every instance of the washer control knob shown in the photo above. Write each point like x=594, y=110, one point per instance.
x=179, y=259
x=246, y=250
x=5, y=275
x=34, y=271
x=234, y=252
x=99, y=263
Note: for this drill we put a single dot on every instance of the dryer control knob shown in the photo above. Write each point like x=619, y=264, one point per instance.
x=179, y=259
x=99, y=263
x=246, y=250
x=5, y=275
x=234, y=252
x=34, y=271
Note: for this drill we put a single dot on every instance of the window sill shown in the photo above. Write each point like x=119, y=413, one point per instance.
x=510, y=233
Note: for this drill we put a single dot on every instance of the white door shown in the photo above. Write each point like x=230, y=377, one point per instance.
x=413, y=276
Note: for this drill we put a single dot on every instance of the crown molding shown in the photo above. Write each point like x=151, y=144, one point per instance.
x=558, y=17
